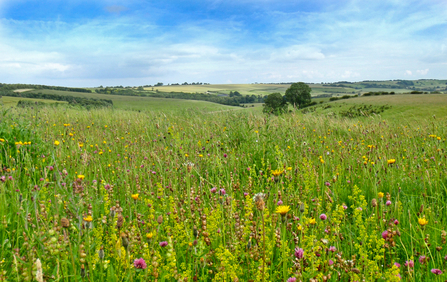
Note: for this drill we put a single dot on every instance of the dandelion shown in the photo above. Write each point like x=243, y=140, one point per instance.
x=80, y=176
x=88, y=218
x=380, y=194
x=422, y=221
x=135, y=196
x=140, y=263
x=277, y=172
x=56, y=143
x=312, y=221
x=282, y=210
x=149, y=235
x=391, y=161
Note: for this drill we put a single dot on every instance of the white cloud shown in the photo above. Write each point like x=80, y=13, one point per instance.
x=408, y=72
x=423, y=72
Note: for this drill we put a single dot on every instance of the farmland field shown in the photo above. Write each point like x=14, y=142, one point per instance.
x=210, y=193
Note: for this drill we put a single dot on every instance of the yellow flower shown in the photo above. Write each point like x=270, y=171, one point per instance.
x=2, y=140
x=422, y=221
x=56, y=143
x=312, y=221
x=391, y=161
x=282, y=210
x=300, y=227
x=88, y=218
x=80, y=176
x=149, y=235
x=380, y=194
x=135, y=196
x=289, y=168
x=277, y=172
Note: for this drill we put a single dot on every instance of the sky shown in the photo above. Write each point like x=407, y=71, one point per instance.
x=87, y=43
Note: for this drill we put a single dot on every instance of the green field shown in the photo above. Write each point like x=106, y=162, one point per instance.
x=317, y=88
x=145, y=103
x=167, y=190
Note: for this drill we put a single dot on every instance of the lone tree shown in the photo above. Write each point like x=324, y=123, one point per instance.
x=275, y=104
x=298, y=94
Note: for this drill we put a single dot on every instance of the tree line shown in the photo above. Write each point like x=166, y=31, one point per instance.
x=4, y=86
x=80, y=101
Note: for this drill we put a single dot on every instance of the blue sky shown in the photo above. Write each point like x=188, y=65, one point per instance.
x=139, y=42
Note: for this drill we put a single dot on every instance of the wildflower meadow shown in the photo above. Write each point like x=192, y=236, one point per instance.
x=115, y=195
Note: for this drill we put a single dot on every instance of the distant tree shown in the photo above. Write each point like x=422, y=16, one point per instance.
x=275, y=104
x=298, y=94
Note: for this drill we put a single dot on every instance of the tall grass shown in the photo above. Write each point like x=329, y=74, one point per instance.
x=97, y=190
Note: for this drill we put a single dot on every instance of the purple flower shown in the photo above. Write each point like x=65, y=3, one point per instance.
x=225, y=155
x=213, y=190
x=327, y=183
x=279, y=203
x=291, y=279
x=299, y=253
x=222, y=192
x=409, y=263
x=323, y=216
x=140, y=263
x=3, y=178
x=436, y=271
x=388, y=203
x=163, y=244
x=245, y=194
x=396, y=222
x=397, y=264
x=332, y=249
x=345, y=207
x=385, y=235
x=331, y=262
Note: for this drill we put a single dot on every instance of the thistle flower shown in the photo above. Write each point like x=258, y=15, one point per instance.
x=299, y=253
x=291, y=279
x=140, y=263
x=163, y=244
x=323, y=216
x=282, y=210
x=388, y=203
x=436, y=271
